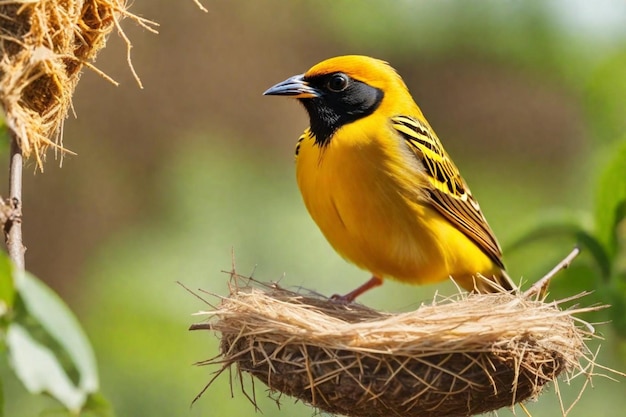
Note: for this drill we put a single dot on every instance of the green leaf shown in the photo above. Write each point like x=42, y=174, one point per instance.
x=97, y=406
x=42, y=366
x=7, y=289
x=610, y=207
x=39, y=369
x=565, y=223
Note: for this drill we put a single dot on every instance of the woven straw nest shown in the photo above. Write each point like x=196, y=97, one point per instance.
x=459, y=356
x=44, y=44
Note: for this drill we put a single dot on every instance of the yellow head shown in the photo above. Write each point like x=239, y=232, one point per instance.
x=344, y=89
x=371, y=71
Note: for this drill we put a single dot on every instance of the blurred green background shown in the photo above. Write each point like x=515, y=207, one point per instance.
x=528, y=98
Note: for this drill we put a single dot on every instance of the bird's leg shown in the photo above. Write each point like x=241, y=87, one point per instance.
x=352, y=295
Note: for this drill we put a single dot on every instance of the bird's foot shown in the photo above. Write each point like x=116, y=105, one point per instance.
x=352, y=295
x=341, y=299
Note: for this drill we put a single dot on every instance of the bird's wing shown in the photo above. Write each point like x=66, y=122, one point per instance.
x=448, y=192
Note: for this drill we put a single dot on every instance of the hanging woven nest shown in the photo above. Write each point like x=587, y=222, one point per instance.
x=459, y=356
x=43, y=47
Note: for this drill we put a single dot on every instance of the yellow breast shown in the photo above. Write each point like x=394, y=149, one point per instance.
x=366, y=194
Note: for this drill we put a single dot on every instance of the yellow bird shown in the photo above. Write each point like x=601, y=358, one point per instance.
x=380, y=185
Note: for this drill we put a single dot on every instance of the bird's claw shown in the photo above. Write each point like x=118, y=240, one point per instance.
x=341, y=299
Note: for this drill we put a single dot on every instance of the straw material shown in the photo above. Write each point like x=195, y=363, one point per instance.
x=460, y=356
x=44, y=44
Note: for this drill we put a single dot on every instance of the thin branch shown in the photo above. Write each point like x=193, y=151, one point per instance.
x=201, y=326
x=13, y=223
x=204, y=9
x=539, y=288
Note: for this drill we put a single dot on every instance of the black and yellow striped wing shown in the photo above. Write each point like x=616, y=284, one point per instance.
x=449, y=193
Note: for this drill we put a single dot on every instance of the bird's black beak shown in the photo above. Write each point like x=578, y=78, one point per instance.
x=295, y=87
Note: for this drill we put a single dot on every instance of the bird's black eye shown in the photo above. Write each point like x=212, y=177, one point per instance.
x=338, y=82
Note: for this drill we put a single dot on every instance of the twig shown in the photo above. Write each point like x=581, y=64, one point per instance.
x=13, y=224
x=204, y=9
x=541, y=286
x=201, y=326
